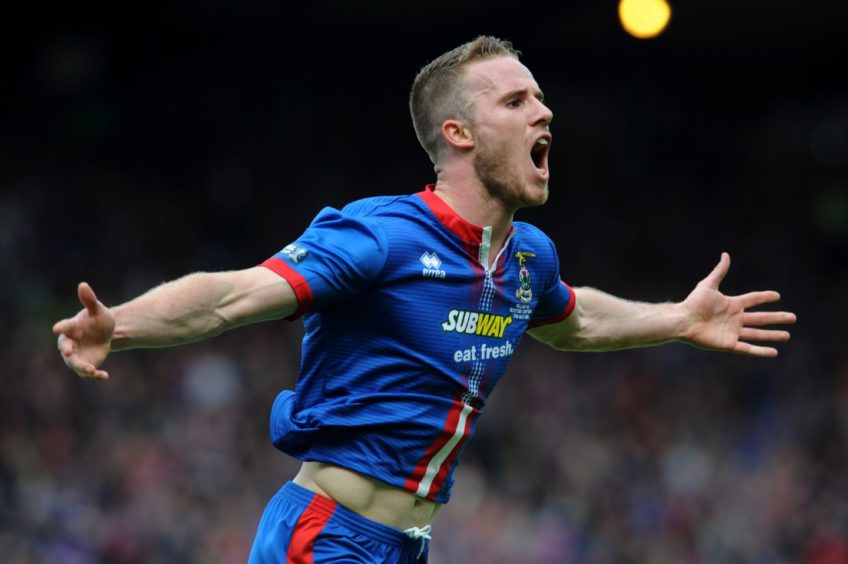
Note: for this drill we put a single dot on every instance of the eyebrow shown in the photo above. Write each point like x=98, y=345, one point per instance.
x=523, y=92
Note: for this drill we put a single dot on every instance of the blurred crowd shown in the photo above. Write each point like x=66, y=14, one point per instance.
x=663, y=455
x=669, y=454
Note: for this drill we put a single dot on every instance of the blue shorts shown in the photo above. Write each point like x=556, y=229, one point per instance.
x=302, y=527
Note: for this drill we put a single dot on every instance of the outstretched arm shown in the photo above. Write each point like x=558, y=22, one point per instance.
x=706, y=318
x=191, y=308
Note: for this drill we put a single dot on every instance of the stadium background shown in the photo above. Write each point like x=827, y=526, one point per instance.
x=140, y=143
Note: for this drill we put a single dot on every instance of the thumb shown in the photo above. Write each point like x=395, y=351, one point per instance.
x=715, y=277
x=88, y=298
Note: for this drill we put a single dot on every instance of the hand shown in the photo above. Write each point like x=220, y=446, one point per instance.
x=722, y=322
x=86, y=339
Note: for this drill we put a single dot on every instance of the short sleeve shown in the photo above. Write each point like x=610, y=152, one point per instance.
x=336, y=258
x=557, y=299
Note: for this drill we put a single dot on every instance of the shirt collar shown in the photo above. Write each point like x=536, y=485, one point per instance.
x=465, y=230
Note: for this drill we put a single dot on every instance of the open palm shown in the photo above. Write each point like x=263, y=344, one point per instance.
x=724, y=322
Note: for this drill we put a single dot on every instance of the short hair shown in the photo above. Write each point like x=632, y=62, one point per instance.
x=437, y=91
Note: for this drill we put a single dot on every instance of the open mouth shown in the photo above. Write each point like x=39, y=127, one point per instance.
x=539, y=154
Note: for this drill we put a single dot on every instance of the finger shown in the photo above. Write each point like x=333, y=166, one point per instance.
x=66, y=346
x=100, y=375
x=91, y=373
x=68, y=327
x=61, y=327
x=754, y=318
x=87, y=298
x=715, y=277
x=79, y=365
x=750, y=334
x=752, y=299
x=85, y=369
x=754, y=350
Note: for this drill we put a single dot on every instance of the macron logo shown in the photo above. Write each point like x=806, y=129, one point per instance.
x=431, y=264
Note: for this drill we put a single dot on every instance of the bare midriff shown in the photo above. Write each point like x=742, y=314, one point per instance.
x=373, y=499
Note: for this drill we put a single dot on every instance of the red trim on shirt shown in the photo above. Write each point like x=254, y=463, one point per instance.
x=309, y=526
x=298, y=283
x=449, y=429
x=569, y=307
x=440, y=478
x=468, y=232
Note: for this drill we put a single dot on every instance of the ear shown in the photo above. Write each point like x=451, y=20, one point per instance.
x=457, y=135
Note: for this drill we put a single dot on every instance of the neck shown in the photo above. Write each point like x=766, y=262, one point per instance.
x=473, y=203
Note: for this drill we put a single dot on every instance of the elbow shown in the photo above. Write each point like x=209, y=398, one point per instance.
x=574, y=343
x=580, y=338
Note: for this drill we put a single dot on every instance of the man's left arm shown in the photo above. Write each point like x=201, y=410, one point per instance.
x=706, y=318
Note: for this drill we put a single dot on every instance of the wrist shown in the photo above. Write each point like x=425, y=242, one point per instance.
x=120, y=335
x=682, y=322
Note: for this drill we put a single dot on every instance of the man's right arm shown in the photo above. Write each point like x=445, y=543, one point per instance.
x=191, y=308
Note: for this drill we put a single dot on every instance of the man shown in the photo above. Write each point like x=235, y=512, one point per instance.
x=413, y=307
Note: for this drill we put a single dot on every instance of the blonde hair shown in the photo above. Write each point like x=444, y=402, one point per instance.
x=437, y=91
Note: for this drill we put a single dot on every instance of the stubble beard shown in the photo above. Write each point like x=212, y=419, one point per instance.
x=501, y=182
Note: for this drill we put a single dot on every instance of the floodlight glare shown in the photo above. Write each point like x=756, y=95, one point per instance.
x=644, y=18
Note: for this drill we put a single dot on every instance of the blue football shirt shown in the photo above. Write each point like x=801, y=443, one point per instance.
x=407, y=331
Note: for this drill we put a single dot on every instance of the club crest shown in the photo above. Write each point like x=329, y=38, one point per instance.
x=524, y=292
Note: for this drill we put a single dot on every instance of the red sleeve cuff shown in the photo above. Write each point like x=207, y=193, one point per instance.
x=569, y=307
x=301, y=288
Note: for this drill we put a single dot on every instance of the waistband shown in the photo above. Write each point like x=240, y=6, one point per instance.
x=352, y=520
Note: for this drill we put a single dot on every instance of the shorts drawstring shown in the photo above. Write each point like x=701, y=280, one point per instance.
x=422, y=533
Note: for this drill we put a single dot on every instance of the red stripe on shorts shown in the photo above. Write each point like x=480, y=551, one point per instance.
x=309, y=526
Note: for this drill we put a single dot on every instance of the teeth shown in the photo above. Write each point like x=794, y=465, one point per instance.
x=542, y=141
